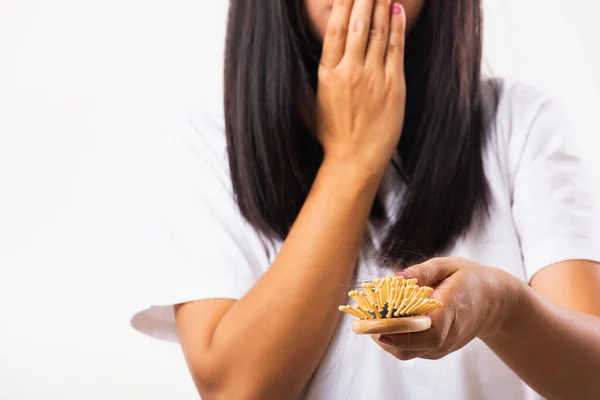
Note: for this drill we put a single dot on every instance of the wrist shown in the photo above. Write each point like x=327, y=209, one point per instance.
x=507, y=304
x=347, y=170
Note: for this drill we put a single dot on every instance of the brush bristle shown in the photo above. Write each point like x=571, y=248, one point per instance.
x=391, y=297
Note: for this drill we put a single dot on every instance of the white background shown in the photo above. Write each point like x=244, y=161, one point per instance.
x=87, y=89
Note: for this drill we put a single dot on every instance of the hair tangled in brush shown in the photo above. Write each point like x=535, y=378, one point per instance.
x=391, y=297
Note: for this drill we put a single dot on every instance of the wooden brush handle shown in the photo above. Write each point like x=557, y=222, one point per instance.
x=391, y=325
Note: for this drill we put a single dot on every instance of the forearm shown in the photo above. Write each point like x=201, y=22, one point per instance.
x=554, y=350
x=274, y=337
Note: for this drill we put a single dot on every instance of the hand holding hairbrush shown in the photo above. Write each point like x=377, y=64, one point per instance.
x=391, y=305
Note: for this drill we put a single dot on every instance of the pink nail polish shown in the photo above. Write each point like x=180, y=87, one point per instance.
x=396, y=9
x=404, y=274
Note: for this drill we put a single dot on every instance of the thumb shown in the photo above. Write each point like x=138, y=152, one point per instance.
x=431, y=272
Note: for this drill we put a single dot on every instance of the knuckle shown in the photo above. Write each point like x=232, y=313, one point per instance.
x=359, y=26
x=378, y=32
x=435, y=264
x=351, y=75
x=338, y=32
x=437, y=261
x=426, y=271
x=461, y=261
x=353, y=80
x=395, y=48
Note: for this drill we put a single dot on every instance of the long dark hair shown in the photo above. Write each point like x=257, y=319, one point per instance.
x=271, y=63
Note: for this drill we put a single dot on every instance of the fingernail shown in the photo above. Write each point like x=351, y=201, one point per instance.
x=404, y=274
x=396, y=9
x=386, y=340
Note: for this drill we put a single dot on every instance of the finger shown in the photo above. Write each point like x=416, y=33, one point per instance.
x=404, y=355
x=358, y=33
x=334, y=41
x=420, y=341
x=432, y=272
x=431, y=339
x=400, y=354
x=432, y=355
x=394, y=62
x=380, y=32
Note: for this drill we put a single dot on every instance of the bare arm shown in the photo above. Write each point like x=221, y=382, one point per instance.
x=553, y=343
x=269, y=343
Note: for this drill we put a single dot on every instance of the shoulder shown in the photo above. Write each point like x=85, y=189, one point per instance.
x=196, y=141
x=519, y=105
x=514, y=92
x=526, y=117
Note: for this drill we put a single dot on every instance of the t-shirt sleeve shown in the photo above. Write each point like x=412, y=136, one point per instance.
x=555, y=211
x=202, y=248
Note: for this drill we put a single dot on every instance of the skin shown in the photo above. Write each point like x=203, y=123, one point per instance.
x=548, y=333
x=283, y=354
x=319, y=11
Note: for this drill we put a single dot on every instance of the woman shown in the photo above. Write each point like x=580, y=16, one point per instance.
x=343, y=155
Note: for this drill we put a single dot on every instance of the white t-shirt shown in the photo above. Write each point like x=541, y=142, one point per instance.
x=542, y=213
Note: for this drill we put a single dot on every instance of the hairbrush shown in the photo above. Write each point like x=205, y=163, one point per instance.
x=391, y=305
